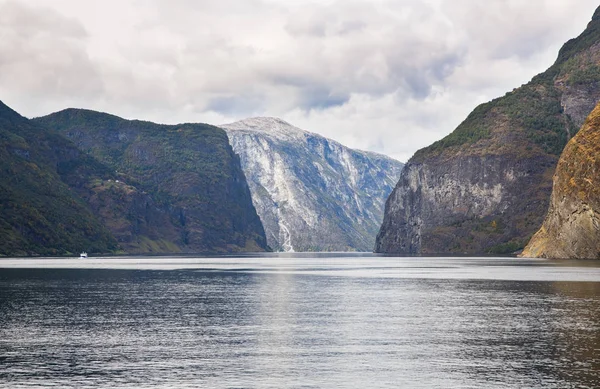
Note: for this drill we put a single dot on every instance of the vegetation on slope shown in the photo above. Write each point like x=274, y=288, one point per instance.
x=39, y=213
x=533, y=109
x=516, y=139
x=570, y=229
x=189, y=170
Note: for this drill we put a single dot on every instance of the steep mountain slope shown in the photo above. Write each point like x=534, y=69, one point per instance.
x=311, y=193
x=39, y=213
x=181, y=186
x=572, y=226
x=485, y=187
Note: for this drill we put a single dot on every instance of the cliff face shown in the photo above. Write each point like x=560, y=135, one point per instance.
x=40, y=213
x=572, y=227
x=485, y=187
x=465, y=206
x=311, y=193
x=177, y=188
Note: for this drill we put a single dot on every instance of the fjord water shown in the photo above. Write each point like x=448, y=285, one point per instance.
x=303, y=321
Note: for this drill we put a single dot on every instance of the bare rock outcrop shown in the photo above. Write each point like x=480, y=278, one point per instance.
x=572, y=226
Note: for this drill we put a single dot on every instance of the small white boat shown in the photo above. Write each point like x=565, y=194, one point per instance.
x=83, y=255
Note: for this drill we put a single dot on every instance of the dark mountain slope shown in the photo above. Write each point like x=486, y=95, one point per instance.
x=190, y=172
x=39, y=213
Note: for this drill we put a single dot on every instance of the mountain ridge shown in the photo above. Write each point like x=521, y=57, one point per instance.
x=260, y=123
x=312, y=193
x=484, y=188
x=41, y=210
x=194, y=196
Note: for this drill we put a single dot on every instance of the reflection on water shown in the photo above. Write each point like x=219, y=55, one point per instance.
x=580, y=347
x=310, y=323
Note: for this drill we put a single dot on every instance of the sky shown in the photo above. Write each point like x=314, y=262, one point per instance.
x=379, y=75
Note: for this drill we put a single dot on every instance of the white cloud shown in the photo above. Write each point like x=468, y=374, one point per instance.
x=389, y=76
x=43, y=55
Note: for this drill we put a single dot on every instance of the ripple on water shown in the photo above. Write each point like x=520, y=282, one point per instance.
x=310, y=322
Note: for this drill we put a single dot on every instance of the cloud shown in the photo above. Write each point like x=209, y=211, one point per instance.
x=390, y=76
x=309, y=56
x=42, y=53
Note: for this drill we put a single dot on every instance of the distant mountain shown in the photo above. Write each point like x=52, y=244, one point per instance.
x=485, y=187
x=177, y=188
x=572, y=226
x=41, y=211
x=312, y=193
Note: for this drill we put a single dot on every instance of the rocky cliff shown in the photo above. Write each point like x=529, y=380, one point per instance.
x=176, y=188
x=572, y=226
x=311, y=193
x=485, y=187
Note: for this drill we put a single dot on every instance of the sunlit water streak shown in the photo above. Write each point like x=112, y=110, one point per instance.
x=301, y=321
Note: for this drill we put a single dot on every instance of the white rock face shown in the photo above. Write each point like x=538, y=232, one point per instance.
x=312, y=193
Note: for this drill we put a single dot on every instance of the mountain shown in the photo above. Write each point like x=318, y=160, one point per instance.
x=178, y=188
x=572, y=226
x=40, y=212
x=485, y=187
x=312, y=193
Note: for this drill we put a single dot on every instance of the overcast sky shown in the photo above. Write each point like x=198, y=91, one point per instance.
x=385, y=76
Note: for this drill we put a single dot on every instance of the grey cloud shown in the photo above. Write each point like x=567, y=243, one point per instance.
x=511, y=28
x=321, y=21
x=27, y=22
x=326, y=53
x=321, y=98
x=43, y=53
x=244, y=105
x=391, y=74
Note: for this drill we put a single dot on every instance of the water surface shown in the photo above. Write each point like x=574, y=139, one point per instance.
x=303, y=321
